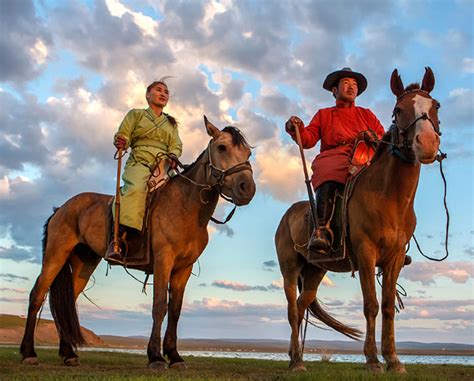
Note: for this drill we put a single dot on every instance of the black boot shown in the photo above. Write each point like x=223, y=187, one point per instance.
x=320, y=241
x=113, y=255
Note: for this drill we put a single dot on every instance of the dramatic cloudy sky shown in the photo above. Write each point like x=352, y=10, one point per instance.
x=70, y=70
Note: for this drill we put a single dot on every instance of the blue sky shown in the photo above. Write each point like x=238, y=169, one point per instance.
x=71, y=70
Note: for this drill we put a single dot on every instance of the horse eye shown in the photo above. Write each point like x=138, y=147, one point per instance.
x=396, y=110
x=437, y=106
x=221, y=147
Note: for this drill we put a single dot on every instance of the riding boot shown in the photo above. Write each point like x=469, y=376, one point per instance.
x=116, y=257
x=320, y=241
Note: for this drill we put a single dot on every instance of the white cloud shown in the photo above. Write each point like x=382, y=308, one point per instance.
x=468, y=65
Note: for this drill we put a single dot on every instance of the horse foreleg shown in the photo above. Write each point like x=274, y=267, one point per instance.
x=296, y=357
x=390, y=276
x=82, y=270
x=366, y=261
x=37, y=296
x=178, y=282
x=161, y=277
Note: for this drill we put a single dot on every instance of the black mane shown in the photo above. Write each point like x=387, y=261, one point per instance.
x=238, y=137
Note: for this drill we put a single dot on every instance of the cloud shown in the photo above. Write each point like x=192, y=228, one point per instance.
x=25, y=42
x=14, y=290
x=269, y=265
x=236, y=286
x=278, y=170
x=427, y=272
x=12, y=278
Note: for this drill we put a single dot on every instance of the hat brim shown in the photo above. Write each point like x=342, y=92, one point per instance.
x=332, y=79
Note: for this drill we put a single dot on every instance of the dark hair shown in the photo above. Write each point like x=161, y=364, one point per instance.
x=162, y=81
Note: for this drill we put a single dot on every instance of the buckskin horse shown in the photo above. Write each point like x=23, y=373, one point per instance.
x=381, y=221
x=75, y=240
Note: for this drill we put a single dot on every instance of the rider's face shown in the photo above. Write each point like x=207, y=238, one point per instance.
x=346, y=90
x=158, y=95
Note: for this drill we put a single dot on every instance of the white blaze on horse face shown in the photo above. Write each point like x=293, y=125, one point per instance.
x=426, y=142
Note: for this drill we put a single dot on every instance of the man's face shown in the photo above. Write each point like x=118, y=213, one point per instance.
x=346, y=90
x=158, y=95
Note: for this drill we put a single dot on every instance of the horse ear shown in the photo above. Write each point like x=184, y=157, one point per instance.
x=396, y=84
x=211, y=129
x=428, y=80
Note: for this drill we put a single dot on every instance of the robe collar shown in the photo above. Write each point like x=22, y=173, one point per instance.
x=342, y=104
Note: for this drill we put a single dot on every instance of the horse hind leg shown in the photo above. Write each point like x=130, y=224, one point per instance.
x=52, y=265
x=83, y=262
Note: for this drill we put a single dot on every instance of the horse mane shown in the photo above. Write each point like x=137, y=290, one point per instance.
x=382, y=146
x=238, y=137
x=413, y=86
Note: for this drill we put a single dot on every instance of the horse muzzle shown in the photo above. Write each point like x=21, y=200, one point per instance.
x=426, y=145
x=242, y=190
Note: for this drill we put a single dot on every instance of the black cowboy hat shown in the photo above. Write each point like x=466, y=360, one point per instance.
x=346, y=72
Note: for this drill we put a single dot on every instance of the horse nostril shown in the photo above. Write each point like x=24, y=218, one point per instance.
x=417, y=139
x=243, y=186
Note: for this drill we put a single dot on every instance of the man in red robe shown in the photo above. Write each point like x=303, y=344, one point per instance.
x=337, y=128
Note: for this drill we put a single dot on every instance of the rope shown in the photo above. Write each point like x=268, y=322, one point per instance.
x=440, y=159
x=303, y=333
x=400, y=292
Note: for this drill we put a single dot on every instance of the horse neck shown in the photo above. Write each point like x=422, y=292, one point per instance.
x=196, y=201
x=395, y=178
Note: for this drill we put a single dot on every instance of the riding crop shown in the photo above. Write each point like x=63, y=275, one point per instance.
x=307, y=180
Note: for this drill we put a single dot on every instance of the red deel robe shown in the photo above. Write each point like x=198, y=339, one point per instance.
x=336, y=127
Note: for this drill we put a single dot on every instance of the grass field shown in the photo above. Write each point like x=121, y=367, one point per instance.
x=118, y=366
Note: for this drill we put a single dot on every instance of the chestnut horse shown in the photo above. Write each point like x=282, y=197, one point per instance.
x=75, y=240
x=381, y=223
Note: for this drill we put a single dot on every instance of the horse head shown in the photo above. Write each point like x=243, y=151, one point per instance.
x=229, y=167
x=415, y=118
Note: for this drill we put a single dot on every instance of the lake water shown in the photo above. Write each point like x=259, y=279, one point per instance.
x=336, y=357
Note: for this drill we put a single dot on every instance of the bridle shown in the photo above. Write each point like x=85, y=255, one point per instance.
x=221, y=174
x=404, y=148
x=213, y=172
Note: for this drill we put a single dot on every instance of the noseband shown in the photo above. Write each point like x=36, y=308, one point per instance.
x=221, y=174
x=396, y=131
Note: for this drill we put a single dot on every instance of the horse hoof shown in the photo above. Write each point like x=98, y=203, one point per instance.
x=157, y=365
x=376, y=368
x=30, y=361
x=299, y=367
x=396, y=368
x=179, y=365
x=73, y=361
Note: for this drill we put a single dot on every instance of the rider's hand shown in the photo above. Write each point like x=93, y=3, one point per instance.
x=173, y=161
x=293, y=123
x=120, y=142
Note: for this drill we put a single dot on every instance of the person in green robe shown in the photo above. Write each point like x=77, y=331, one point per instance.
x=150, y=134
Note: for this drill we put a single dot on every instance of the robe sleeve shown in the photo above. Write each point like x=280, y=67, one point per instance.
x=310, y=134
x=176, y=146
x=127, y=126
x=376, y=125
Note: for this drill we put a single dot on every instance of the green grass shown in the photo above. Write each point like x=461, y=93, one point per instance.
x=119, y=366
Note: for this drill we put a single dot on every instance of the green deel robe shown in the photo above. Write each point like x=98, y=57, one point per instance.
x=147, y=135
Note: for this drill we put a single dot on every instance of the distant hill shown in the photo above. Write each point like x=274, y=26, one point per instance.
x=12, y=327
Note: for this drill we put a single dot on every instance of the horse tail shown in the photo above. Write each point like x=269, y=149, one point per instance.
x=63, y=307
x=319, y=313
x=61, y=300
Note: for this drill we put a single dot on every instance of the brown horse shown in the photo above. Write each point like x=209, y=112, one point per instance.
x=381, y=220
x=75, y=240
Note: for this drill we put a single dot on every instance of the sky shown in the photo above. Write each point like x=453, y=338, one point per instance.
x=70, y=71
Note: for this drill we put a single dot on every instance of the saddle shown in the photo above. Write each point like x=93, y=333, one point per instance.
x=338, y=225
x=137, y=245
